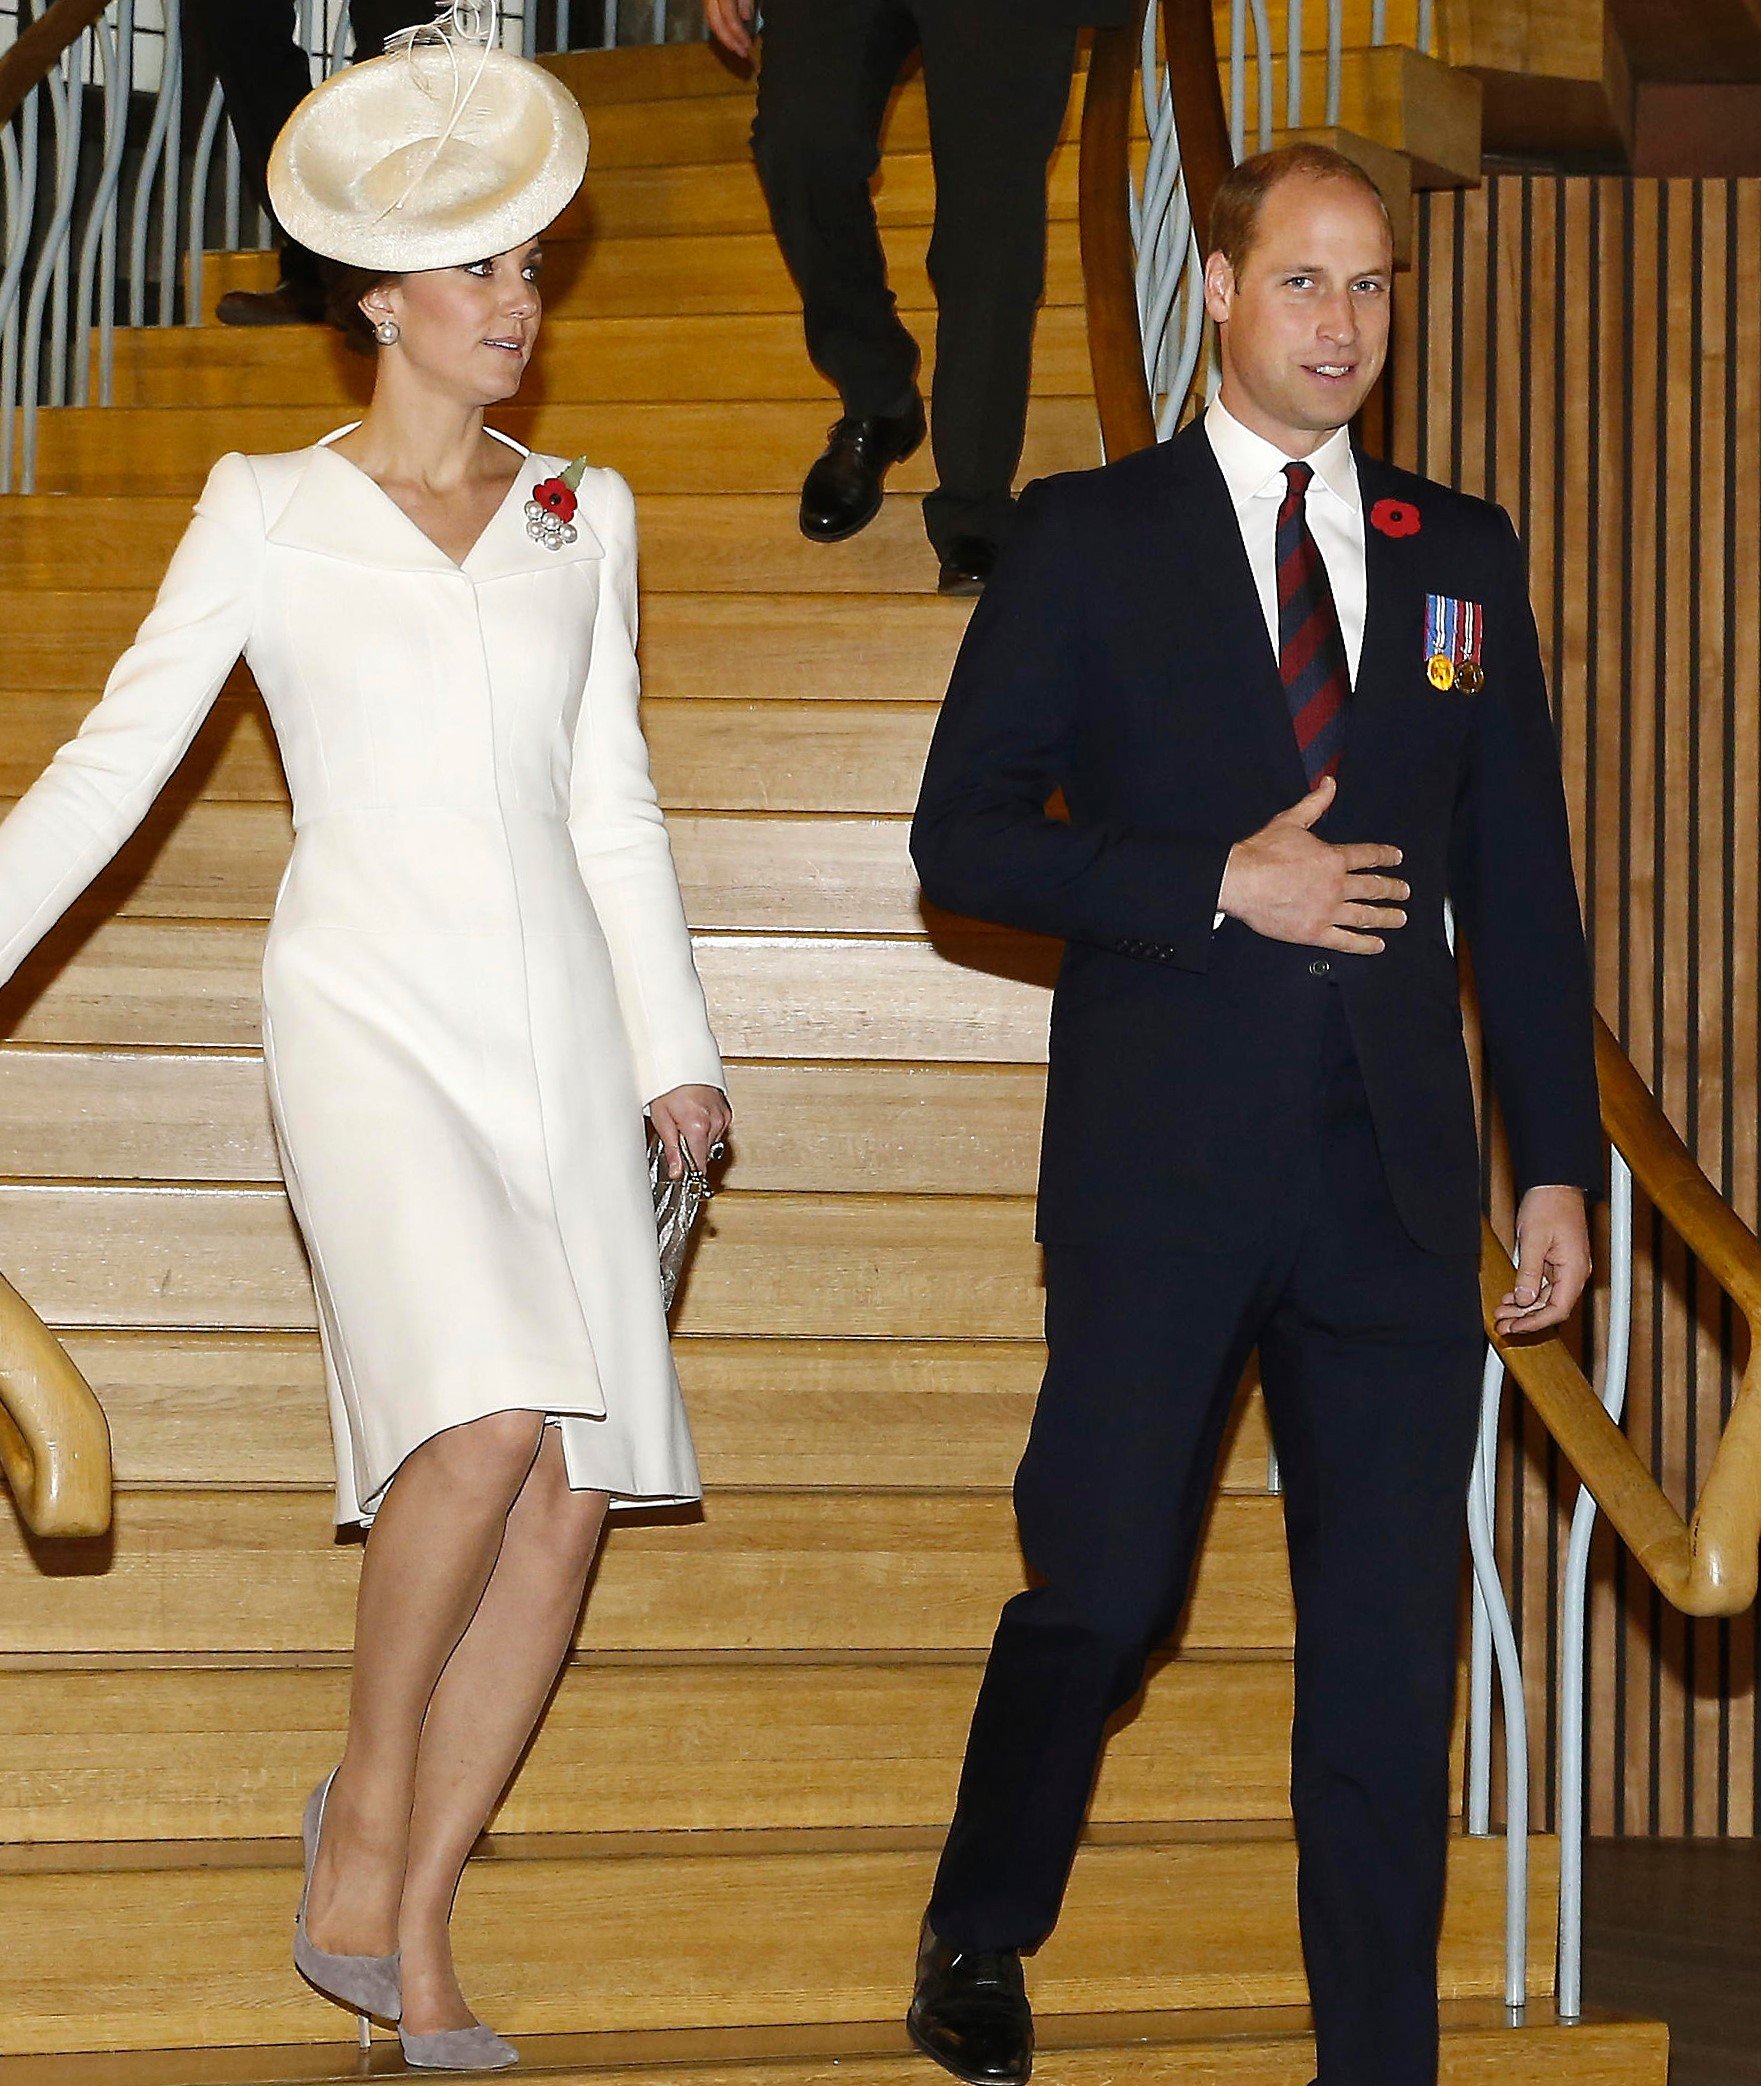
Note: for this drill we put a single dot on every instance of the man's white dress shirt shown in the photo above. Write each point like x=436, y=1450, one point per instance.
x=1253, y=470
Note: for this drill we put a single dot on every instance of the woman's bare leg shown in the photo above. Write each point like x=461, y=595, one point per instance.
x=483, y=1713
x=430, y=1554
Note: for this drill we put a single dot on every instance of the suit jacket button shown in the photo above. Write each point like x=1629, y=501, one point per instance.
x=1319, y=968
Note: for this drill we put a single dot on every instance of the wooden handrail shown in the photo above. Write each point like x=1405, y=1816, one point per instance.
x=1706, y=1565
x=1115, y=333
x=38, y=50
x=54, y=1443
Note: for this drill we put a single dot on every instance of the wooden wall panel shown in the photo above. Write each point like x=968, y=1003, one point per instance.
x=1587, y=351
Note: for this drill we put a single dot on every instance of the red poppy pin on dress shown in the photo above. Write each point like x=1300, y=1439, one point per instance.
x=1395, y=518
x=550, y=512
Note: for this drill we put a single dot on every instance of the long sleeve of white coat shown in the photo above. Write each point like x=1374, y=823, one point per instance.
x=102, y=783
x=621, y=838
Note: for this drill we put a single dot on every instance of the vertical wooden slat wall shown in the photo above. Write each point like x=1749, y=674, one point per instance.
x=1588, y=352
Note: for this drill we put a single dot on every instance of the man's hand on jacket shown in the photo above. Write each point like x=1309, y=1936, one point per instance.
x=1287, y=885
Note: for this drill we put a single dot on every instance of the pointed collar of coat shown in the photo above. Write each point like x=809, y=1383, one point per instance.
x=336, y=511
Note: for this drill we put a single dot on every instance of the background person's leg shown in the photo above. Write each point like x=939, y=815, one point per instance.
x=998, y=82
x=827, y=68
x=264, y=76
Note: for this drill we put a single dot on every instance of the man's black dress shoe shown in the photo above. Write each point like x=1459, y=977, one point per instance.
x=970, y=2012
x=966, y=564
x=288, y=304
x=843, y=490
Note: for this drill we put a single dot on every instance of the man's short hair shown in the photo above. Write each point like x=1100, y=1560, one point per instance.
x=1235, y=215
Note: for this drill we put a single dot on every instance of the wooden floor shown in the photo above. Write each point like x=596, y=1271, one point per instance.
x=1672, y=1929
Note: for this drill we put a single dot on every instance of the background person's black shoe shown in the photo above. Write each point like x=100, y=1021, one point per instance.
x=842, y=493
x=288, y=304
x=970, y=2012
x=966, y=564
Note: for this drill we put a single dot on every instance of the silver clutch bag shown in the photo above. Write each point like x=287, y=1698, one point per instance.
x=677, y=1207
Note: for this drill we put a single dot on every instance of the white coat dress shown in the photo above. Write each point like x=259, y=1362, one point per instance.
x=478, y=971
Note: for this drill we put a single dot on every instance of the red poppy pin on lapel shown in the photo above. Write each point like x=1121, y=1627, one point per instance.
x=1395, y=518
x=550, y=512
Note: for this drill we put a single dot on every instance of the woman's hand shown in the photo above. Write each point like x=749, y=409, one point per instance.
x=730, y=23
x=698, y=1114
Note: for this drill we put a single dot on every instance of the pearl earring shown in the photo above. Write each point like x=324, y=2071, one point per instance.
x=385, y=333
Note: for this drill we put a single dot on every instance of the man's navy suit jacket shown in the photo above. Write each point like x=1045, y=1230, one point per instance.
x=1120, y=655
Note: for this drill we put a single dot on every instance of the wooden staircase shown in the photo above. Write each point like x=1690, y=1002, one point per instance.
x=720, y=1848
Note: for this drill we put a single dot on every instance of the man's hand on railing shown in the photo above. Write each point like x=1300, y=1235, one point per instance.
x=1553, y=1262
x=730, y=23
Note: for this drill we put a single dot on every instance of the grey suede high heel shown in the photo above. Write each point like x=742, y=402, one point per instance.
x=473, y=2049
x=370, y=1986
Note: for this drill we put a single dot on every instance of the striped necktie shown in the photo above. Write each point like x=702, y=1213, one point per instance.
x=1311, y=650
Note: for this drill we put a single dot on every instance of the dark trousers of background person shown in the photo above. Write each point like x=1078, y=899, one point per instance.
x=264, y=76
x=997, y=80
x=1370, y=1356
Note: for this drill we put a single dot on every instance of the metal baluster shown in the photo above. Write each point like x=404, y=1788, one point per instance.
x=63, y=87
x=1482, y=1542
x=199, y=206
x=170, y=64
x=1427, y=25
x=1574, y=1616
x=657, y=22
x=1237, y=77
x=1293, y=65
x=232, y=199
x=18, y=170
x=117, y=49
x=1262, y=38
x=609, y=24
x=168, y=224
x=1335, y=59
x=1378, y=21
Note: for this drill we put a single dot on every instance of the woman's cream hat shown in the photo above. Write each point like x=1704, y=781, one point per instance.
x=445, y=150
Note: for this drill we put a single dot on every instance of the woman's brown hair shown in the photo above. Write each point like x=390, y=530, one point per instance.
x=344, y=287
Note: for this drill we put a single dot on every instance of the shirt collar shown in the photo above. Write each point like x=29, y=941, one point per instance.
x=1253, y=468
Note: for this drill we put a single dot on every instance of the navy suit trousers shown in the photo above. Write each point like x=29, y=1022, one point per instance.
x=1370, y=1357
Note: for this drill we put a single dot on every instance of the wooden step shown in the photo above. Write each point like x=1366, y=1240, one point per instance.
x=715, y=130
x=762, y=447
x=556, y=1933
x=826, y=1127
x=1396, y=98
x=192, y=1409
x=706, y=754
x=580, y=360
x=1234, y=2046
x=1357, y=25
x=757, y=872
x=647, y=200
x=730, y=552
x=701, y=272
x=834, y=1570
x=840, y=1266
x=970, y=996
x=211, y=1750
x=699, y=649
x=649, y=72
